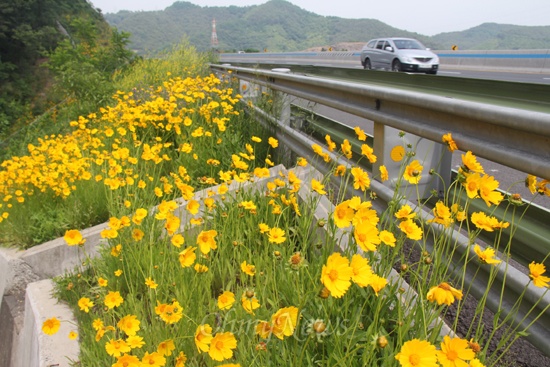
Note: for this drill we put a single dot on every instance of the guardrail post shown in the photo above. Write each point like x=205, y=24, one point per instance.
x=391, y=147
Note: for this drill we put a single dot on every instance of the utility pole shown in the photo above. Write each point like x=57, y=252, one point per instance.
x=214, y=38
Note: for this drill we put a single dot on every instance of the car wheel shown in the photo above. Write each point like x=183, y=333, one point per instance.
x=367, y=65
x=396, y=65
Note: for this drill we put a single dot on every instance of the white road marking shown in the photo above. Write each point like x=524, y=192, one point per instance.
x=450, y=72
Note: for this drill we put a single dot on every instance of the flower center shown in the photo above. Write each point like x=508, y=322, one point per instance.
x=452, y=355
x=414, y=359
x=333, y=275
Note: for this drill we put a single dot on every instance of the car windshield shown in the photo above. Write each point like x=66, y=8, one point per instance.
x=408, y=45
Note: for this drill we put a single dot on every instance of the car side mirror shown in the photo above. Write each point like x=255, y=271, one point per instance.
x=389, y=48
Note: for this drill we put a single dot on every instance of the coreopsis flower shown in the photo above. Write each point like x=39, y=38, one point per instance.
x=177, y=240
x=248, y=269
x=362, y=272
x=458, y=213
x=336, y=275
x=346, y=149
x=284, y=321
x=411, y=229
x=364, y=214
x=442, y=214
x=384, y=176
x=137, y=234
x=331, y=145
x=535, y=272
x=129, y=324
x=301, y=161
x=256, y=139
x=448, y=139
x=139, y=215
x=377, y=283
x=200, y=268
x=487, y=187
x=274, y=143
x=249, y=302
x=367, y=236
x=206, y=241
x=444, y=294
x=531, y=183
x=361, y=180
x=181, y=359
x=193, y=206
x=263, y=329
x=405, y=212
x=127, y=360
x=343, y=214
x=102, y=282
x=117, y=347
x=483, y=221
x=476, y=363
x=97, y=324
x=116, y=250
x=73, y=335
x=85, y=304
x=340, y=170
x=222, y=345
x=154, y=359
x=360, y=133
x=263, y=228
x=169, y=313
x=263, y=172
x=471, y=184
x=454, y=352
x=248, y=205
x=368, y=152
x=113, y=299
x=318, y=187
x=276, y=235
x=135, y=341
x=172, y=223
x=149, y=282
x=417, y=353
x=51, y=326
x=387, y=238
x=470, y=163
x=166, y=347
x=226, y=300
x=486, y=256
x=413, y=172
x=73, y=237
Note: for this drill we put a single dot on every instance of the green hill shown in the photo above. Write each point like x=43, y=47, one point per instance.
x=279, y=25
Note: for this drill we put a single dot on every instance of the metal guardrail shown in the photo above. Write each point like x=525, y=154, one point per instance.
x=513, y=137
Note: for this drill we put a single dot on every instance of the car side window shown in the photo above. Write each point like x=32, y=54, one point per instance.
x=380, y=45
x=371, y=44
x=386, y=44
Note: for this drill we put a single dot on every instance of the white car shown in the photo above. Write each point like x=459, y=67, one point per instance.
x=399, y=54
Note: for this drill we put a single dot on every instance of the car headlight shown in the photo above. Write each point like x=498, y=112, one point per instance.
x=407, y=60
x=435, y=60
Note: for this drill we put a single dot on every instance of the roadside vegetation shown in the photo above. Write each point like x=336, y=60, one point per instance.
x=215, y=255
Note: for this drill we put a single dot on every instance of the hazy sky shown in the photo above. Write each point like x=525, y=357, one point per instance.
x=430, y=18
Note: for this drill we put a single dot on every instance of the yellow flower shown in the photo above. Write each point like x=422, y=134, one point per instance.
x=387, y=238
x=113, y=299
x=73, y=237
x=181, y=359
x=256, y=139
x=454, y=352
x=284, y=322
x=451, y=145
x=127, y=361
x=442, y=214
x=102, y=282
x=135, y=341
x=248, y=269
x=226, y=300
x=318, y=187
x=166, y=347
x=193, y=206
x=51, y=326
x=200, y=268
x=443, y=294
x=73, y=335
x=276, y=235
x=151, y=283
x=264, y=329
x=360, y=133
x=129, y=325
x=362, y=272
x=154, y=359
x=366, y=235
x=84, y=304
x=263, y=228
x=340, y=170
x=336, y=275
x=330, y=144
x=384, y=176
x=249, y=303
x=274, y=143
x=368, y=152
x=411, y=229
x=417, y=353
x=206, y=241
x=405, y=212
x=187, y=257
x=346, y=149
x=486, y=256
x=116, y=348
x=137, y=234
x=177, y=240
x=487, y=187
x=378, y=283
x=343, y=214
x=413, y=172
x=301, y=161
x=169, y=313
x=531, y=183
x=482, y=221
x=203, y=337
x=535, y=272
x=470, y=163
x=222, y=345
x=361, y=180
